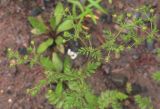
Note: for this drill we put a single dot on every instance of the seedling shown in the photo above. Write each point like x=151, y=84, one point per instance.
x=156, y=76
x=143, y=102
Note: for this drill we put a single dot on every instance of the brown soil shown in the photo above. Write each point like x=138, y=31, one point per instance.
x=15, y=32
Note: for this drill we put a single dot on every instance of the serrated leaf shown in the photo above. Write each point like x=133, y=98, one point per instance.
x=51, y=96
x=59, y=89
x=58, y=13
x=59, y=105
x=67, y=65
x=91, y=99
x=156, y=76
x=57, y=62
x=74, y=85
x=46, y=63
x=66, y=25
x=38, y=25
x=91, y=68
x=111, y=97
x=143, y=102
x=34, y=91
x=89, y=51
x=70, y=99
x=44, y=45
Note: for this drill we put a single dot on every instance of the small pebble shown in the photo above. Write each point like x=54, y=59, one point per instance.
x=10, y=100
x=106, y=18
x=136, y=89
x=73, y=46
x=78, y=62
x=13, y=62
x=106, y=69
x=146, y=17
x=150, y=44
x=2, y=91
x=119, y=80
x=145, y=75
x=120, y=5
x=28, y=85
x=127, y=103
x=137, y=15
x=135, y=56
x=36, y=11
x=155, y=4
x=9, y=90
x=46, y=1
x=53, y=86
x=22, y=50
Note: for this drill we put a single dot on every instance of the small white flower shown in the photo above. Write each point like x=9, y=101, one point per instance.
x=73, y=55
x=69, y=52
x=2, y=91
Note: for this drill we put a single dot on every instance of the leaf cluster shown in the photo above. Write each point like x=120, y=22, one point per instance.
x=111, y=98
x=143, y=102
x=91, y=52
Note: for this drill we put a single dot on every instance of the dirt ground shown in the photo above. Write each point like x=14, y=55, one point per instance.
x=15, y=32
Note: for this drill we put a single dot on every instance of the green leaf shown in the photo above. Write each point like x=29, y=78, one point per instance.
x=61, y=48
x=76, y=6
x=44, y=45
x=110, y=1
x=70, y=100
x=156, y=76
x=77, y=3
x=59, y=89
x=91, y=100
x=59, y=40
x=67, y=65
x=143, y=102
x=66, y=25
x=91, y=68
x=51, y=96
x=34, y=91
x=89, y=51
x=95, y=3
x=59, y=104
x=58, y=13
x=46, y=63
x=38, y=25
x=53, y=22
x=93, y=17
x=111, y=97
x=74, y=85
x=57, y=62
